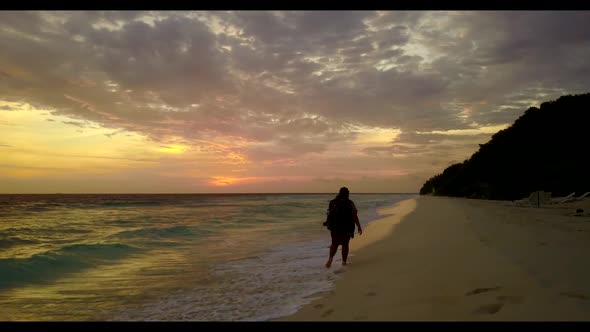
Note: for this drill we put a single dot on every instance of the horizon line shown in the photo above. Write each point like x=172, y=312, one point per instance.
x=213, y=193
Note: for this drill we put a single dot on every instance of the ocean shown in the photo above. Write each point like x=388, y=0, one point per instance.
x=162, y=257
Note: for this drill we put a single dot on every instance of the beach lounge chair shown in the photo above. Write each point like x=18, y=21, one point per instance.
x=574, y=199
x=565, y=199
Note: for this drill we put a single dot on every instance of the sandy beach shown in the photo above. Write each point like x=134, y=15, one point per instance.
x=452, y=259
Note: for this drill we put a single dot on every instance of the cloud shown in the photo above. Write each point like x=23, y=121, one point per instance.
x=75, y=123
x=431, y=150
x=294, y=84
x=110, y=135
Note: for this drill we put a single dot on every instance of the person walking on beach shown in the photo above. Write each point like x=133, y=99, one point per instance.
x=342, y=217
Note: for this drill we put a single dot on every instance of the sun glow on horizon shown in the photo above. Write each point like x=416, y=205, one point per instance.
x=37, y=143
x=222, y=181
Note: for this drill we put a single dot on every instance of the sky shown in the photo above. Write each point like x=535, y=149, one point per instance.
x=266, y=101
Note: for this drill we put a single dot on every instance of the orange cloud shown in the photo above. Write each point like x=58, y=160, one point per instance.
x=222, y=181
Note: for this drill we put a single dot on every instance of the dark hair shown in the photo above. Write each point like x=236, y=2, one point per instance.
x=343, y=193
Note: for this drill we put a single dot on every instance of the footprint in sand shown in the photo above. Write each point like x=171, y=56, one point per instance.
x=318, y=306
x=492, y=308
x=371, y=294
x=482, y=290
x=489, y=309
x=574, y=295
x=327, y=312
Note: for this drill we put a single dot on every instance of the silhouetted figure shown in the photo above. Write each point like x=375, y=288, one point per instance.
x=342, y=216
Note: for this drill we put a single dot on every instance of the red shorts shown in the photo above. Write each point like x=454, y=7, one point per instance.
x=340, y=238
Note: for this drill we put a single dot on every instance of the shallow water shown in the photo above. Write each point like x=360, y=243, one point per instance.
x=165, y=257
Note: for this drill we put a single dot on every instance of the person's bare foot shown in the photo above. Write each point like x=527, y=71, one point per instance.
x=329, y=263
x=344, y=263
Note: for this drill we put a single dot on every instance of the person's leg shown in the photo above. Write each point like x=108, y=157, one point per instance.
x=333, y=249
x=345, y=251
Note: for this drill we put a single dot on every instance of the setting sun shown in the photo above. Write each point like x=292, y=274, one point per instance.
x=222, y=181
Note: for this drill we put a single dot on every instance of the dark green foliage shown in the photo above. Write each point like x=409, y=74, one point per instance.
x=545, y=149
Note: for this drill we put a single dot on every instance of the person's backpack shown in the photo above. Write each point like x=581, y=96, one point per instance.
x=340, y=216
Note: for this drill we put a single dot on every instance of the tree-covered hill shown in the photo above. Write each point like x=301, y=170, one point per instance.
x=545, y=149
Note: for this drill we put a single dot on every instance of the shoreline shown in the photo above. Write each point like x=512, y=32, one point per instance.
x=451, y=259
x=374, y=231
